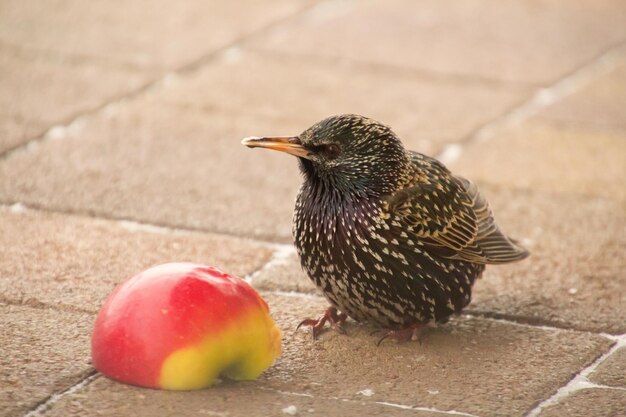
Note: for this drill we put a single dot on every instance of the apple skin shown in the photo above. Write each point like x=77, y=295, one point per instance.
x=180, y=326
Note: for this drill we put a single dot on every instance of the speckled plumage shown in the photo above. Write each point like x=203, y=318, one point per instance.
x=390, y=236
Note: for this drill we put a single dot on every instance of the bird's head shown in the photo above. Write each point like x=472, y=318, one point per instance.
x=345, y=152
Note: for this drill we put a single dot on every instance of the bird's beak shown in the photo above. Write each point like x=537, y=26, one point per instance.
x=290, y=145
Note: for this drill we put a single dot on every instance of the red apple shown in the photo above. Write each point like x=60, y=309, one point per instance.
x=182, y=325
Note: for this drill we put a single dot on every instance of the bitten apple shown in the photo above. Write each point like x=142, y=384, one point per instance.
x=180, y=326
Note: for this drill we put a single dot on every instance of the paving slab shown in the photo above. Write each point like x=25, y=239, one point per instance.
x=471, y=366
x=44, y=351
x=600, y=104
x=574, y=275
x=73, y=263
x=41, y=90
x=595, y=402
x=143, y=33
x=612, y=371
x=105, y=397
x=537, y=156
x=163, y=164
x=478, y=38
x=477, y=366
x=425, y=112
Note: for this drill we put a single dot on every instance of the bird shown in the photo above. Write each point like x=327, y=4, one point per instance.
x=390, y=236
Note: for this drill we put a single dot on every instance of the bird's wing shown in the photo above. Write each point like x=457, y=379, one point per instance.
x=451, y=218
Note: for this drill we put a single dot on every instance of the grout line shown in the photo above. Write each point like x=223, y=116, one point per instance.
x=429, y=409
x=384, y=403
x=76, y=120
x=542, y=98
x=580, y=381
x=526, y=321
x=279, y=257
x=54, y=398
x=282, y=252
x=134, y=225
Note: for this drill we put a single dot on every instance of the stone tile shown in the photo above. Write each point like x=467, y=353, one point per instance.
x=541, y=157
x=105, y=397
x=42, y=90
x=590, y=402
x=43, y=352
x=469, y=365
x=286, y=275
x=478, y=38
x=601, y=103
x=142, y=33
x=574, y=276
x=161, y=164
x=425, y=112
x=612, y=371
x=73, y=263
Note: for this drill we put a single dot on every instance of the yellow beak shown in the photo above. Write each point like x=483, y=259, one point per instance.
x=290, y=145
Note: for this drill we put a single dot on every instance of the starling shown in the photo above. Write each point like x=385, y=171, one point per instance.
x=390, y=236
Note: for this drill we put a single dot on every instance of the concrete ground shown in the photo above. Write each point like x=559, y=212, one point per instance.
x=120, y=125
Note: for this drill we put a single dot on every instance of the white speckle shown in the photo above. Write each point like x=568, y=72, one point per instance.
x=433, y=391
x=292, y=410
x=169, y=79
x=366, y=392
x=450, y=153
x=323, y=12
x=56, y=132
x=18, y=208
x=232, y=55
x=572, y=291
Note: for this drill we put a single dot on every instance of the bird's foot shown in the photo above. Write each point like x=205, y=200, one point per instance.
x=410, y=332
x=332, y=316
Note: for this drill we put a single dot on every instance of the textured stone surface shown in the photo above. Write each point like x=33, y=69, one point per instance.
x=550, y=158
x=612, y=371
x=105, y=397
x=600, y=104
x=139, y=33
x=166, y=165
x=425, y=112
x=470, y=365
x=574, y=276
x=15, y=131
x=590, y=402
x=43, y=352
x=40, y=90
x=478, y=37
x=74, y=263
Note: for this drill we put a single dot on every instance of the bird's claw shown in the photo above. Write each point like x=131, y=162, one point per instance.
x=332, y=316
x=411, y=332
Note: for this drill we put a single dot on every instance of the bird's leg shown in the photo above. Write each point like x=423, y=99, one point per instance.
x=410, y=332
x=331, y=315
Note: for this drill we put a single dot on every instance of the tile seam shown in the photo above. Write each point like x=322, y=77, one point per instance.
x=56, y=397
x=580, y=380
x=280, y=253
x=146, y=87
x=542, y=98
x=383, y=403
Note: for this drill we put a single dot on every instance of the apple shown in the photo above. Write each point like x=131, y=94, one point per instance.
x=180, y=326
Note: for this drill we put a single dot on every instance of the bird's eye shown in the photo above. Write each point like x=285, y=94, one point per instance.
x=331, y=151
